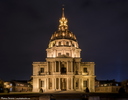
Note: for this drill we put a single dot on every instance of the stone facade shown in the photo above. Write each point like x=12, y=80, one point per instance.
x=63, y=69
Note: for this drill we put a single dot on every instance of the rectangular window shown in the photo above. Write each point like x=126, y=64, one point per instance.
x=84, y=83
x=67, y=54
x=41, y=83
x=57, y=66
x=59, y=54
x=85, y=70
x=42, y=70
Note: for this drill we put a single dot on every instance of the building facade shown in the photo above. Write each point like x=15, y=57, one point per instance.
x=107, y=86
x=63, y=69
x=18, y=86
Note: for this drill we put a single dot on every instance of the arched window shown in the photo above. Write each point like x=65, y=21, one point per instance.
x=67, y=43
x=59, y=43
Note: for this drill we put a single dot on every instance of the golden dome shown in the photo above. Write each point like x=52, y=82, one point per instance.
x=63, y=32
x=63, y=35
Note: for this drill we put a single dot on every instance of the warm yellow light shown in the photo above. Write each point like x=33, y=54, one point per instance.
x=70, y=35
x=63, y=34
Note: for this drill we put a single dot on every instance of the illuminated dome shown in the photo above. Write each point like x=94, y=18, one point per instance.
x=63, y=35
x=63, y=43
x=63, y=32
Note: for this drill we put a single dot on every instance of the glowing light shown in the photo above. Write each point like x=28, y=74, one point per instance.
x=70, y=35
x=63, y=34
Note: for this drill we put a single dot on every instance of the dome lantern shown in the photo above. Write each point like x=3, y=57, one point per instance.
x=63, y=32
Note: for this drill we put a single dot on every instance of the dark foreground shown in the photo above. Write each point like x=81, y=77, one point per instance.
x=63, y=96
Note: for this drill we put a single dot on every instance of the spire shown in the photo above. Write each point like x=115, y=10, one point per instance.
x=63, y=22
x=62, y=12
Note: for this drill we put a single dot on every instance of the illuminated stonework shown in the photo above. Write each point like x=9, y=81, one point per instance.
x=63, y=69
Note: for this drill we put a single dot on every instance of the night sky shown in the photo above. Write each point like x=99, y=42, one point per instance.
x=101, y=28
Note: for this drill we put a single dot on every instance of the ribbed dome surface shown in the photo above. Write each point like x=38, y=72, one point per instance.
x=63, y=35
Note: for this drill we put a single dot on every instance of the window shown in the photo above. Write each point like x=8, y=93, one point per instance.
x=72, y=44
x=105, y=84
x=57, y=66
x=59, y=54
x=67, y=43
x=67, y=54
x=76, y=84
x=59, y=43
x=41, y=70
x=85, y=70
x=85, y=83
x=41, y=83
x=53, y=44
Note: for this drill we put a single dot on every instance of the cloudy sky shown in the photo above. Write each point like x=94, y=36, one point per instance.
x=101, y=28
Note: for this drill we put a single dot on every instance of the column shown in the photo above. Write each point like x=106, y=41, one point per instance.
x=79, y=68
x=88, y=84
x=74, y=83
x=67, y=66
x=55, y=66
x=59, y=83
x=52, y=66
x=48, y=83
x=82, y=84
x=79, y=83
x=47, y=67
x=71, y=67
x=71, y=83
x=59, y=66
x=55, y=83
x=45, y=84
x=37, y=85
x=67, y=85
x=93, y=85
x=54, y=53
